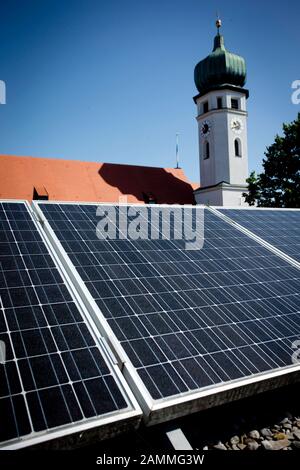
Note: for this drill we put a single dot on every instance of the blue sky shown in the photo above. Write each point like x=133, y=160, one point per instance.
x=113, y=81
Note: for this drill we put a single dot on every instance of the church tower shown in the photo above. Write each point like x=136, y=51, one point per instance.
x=222, y=122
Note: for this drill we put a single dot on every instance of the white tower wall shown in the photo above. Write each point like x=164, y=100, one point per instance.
x=226, y=125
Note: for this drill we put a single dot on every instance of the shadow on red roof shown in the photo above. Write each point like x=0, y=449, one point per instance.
x=72, y=180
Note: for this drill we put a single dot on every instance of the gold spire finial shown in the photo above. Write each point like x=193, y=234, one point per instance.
x=218, y=22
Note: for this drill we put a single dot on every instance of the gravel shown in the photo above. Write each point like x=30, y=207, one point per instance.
x=284, y=435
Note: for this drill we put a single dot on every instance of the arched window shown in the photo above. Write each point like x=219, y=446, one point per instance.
x=206, y=150
x=237, y=148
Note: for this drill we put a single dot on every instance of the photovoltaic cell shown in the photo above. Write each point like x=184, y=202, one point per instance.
x=279, y=227
x=187, y=320
x=54, y=372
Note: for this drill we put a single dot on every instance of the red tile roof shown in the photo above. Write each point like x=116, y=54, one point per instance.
x=72, y=180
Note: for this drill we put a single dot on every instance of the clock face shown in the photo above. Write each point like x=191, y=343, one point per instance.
x=205, y=128
x=237, y=125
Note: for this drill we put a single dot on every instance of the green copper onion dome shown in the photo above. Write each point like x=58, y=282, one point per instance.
x=219, y=68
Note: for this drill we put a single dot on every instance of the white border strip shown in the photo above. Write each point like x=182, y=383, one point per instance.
x=254, y=208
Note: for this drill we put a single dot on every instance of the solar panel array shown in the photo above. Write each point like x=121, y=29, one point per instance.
x=54, y=373
x=280, y=228
x=188, y=320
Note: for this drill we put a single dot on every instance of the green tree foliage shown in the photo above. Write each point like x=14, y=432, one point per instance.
x=279, y=184
x=253, y=190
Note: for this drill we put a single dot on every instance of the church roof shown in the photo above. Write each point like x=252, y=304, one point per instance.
x=72, y=180
x=220, y=68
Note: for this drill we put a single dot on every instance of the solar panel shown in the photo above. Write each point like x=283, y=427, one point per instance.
x=279, y=227
x=188, y=321
x=54, y=374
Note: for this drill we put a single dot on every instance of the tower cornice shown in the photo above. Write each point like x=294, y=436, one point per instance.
x=245, y=91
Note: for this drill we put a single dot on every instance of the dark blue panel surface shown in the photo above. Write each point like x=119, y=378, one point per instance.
x=187, y=319
x=279, y=227
x=53, y=366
